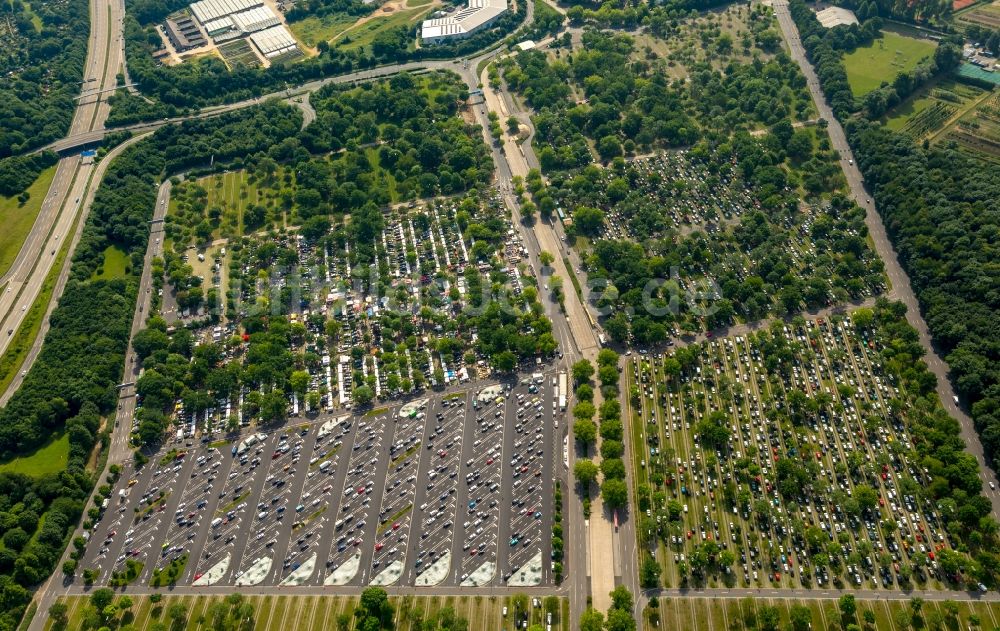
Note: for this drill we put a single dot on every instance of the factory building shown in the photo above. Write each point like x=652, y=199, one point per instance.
x=463, y=23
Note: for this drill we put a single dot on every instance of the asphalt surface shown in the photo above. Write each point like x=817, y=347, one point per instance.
x=386, y=492
x=900, y=282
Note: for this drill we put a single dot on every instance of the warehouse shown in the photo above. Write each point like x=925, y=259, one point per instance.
x=477, y=16
x=273, y=42
x=836, y=16
x=208, y=10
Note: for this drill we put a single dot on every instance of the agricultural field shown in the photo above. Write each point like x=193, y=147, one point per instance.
x=927, y=111
x=239, y=52
x=883, y=59
x=314, y=613
x=790, y=456
x=977, y=132
x=826, y=614
x=987, y=15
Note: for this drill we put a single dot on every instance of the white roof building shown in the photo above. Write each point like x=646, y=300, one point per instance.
x=256, y=19
x=479, y=14
x=208, y=10
x=836, y=16
x=273, y=42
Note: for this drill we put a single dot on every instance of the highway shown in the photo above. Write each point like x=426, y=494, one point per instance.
x=73, y=185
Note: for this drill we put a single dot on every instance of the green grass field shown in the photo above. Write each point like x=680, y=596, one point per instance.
x=51, y=458
x=366, y=33
x=313, y=30
x=17, y=220
x=114, y=264
x=868, y=66
x=311, y=613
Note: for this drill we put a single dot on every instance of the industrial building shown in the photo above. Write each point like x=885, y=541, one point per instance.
x=475, y=17
x=183, y=33
x=273, y=42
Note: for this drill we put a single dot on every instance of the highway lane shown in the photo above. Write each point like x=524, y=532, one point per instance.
x=70, y=192
x=901, y=289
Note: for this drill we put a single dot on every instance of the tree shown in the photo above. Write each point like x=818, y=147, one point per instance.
x=621, y=598
x=650, y=572
x=848, y=607
x=362, y=395
x=546, y=259
x=614, y=492
x=585, y=431
x=591, y=620
x=800, y=617
x=583, y=370
x=58, y=611
x=299, y=381
x=101, y=598
x=585, y=472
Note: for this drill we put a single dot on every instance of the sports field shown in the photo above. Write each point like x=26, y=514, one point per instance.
x=868, y=66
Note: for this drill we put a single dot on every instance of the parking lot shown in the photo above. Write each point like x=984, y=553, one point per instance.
x=448, y=489
x=777, y=459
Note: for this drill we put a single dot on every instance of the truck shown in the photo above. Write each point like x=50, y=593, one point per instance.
x=121, y=495
x=562, y=391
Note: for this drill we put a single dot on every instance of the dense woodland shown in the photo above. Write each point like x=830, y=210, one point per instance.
x=72, y=383
x=41, y=69
x=942, y=211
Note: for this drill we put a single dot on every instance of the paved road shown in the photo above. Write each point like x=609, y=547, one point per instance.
x=817, y=594
x=900, y=289
x=120, y=452
x=68, y=192
x=67, y=265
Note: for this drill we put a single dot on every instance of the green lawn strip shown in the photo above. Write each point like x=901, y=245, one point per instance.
x=403, y=456
x=376, y=411
x=169, y=574
x=330, y=454
x=572, y=273
x=152, y=506
x=309, y=518
x=17, y=220
x=392, y=518
x=132, y=571
x=50, y=458
x=219, y=443
x=169, y=457
x=231, y=505
x=453, y=395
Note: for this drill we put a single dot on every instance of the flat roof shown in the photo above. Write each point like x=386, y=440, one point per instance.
x=255, y=19
x=273, y=41
x=466, y=20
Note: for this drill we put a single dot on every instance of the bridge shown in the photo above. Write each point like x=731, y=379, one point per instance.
x=83, y=95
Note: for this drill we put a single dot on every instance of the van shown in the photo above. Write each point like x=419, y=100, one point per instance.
x=323, y=466
x=262, y=514
x=216, y=522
